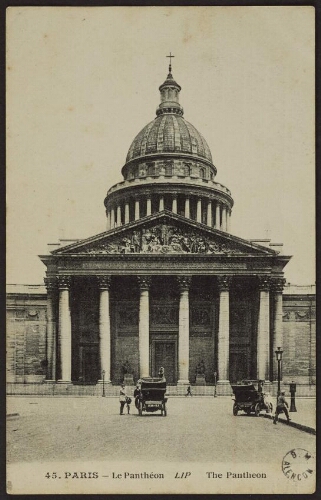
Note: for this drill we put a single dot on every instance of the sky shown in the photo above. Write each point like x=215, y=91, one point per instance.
x=83, y=81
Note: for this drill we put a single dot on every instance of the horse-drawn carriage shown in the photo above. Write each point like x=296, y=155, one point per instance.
x=250, y=398
x=152, y=396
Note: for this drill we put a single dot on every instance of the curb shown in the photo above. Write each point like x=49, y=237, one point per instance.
x=296, y=425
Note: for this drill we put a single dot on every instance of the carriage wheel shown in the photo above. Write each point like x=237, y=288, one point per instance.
x=257, y=409
x=140, y=408
x=165, y=409
x=235, y=409
x=248, y=411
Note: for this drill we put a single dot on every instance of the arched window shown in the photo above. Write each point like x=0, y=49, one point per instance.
x=212, y=176
x=202, y=173
x=151, y=169
x=186, y=169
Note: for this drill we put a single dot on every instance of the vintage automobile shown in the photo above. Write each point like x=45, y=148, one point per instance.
x=152, y=396
x=250, y=398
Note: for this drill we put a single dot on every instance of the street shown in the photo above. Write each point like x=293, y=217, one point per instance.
x=195, y=429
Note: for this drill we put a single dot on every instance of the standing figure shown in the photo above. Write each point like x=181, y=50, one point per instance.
x=189, y=392
x=122, y=398
x=281, y=407
x=137, y=395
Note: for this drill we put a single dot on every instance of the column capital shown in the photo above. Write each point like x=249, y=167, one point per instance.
x=184, y=282
x=144, y=282
x=104, y=282
x=224, y=283
x=277, y=284
x=64, y=282
x=50, y=284
x=264, y=283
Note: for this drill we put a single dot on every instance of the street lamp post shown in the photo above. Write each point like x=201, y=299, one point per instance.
x=103, y=375
x=215, y=379
x=278, y=354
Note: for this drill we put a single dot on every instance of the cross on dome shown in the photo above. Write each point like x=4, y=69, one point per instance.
x=170, y=62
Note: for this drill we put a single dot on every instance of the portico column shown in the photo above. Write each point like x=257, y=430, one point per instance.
x=112, y=218
x=51, y=331
x=161, y=203
x=223, y=218
x=183, y=330
x=187, y=208
x=263, y=334
x=209, y=213
x=144, y=284
x=277, y=288
x=199, y=210
x=149, y=206
x=104, y=327
x=217, y=216
x=107, y=220
x=174, y=205
x=126, y=212
x=223, y=384
x=119, y=215
x=64, y=330
x=136, y=209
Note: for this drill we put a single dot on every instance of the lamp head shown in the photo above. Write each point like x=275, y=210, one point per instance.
x=279, y=353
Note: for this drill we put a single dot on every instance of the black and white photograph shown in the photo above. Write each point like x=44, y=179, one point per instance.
x=160, y=288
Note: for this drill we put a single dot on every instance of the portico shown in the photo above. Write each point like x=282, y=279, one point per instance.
x=196, y=295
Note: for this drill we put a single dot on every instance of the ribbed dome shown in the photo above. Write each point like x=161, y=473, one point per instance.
x=169, y=133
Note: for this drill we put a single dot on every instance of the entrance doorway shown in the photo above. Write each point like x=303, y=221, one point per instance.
x=239, y=365
x=89, y=364
x=164, y=354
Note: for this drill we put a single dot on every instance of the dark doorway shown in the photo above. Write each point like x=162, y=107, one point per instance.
x=164, y=354
x=239, y=366
x=89, y=365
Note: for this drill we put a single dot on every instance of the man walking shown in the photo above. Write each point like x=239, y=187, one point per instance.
x=281, y=407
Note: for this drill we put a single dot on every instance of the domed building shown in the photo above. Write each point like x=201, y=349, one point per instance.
x=167, y=284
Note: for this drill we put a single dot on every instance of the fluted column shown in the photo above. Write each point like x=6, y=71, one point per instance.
x=228, y=221
x=223, y=384
x=64, y=329
x=199, y=210
x=223, y=218
x=263, y=334
x=209, y=213
x=104, y=327
x=174, y=205
x=277, y=287
x=51, y=354
x=136, y=209
x=183, y=330
x=217, y=216
x=149, y=206
x=112, y=218
x=126, y=212
x=144, y=284
x=187, y=208
x=107, y=220
x=119, y=215
x=161, y=203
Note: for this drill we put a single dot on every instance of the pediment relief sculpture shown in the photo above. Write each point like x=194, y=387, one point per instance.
x=163, y=239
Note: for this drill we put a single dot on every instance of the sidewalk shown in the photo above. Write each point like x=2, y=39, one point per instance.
x=304, y=418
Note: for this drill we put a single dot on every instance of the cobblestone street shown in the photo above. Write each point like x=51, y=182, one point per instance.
x=195, y=428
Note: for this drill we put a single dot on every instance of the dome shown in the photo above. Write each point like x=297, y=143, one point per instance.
x=169, y=132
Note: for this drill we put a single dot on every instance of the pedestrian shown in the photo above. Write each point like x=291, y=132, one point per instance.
x=281, y=407
x=122, y=398
x=128, y=401
x=189, y=391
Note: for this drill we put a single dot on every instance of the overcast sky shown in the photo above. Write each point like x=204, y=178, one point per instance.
x=82, y=82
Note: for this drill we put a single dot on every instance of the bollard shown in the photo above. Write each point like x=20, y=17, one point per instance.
x=292, y=392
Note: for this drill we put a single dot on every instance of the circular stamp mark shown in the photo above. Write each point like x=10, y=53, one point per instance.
x=298, y=465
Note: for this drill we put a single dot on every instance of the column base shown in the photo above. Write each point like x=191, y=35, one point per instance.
x=49, y=381
x=183, y=382
x=105, y=381
x=223, y=388
x=69, y=382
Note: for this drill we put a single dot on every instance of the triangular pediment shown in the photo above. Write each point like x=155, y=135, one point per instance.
x=165, y=233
